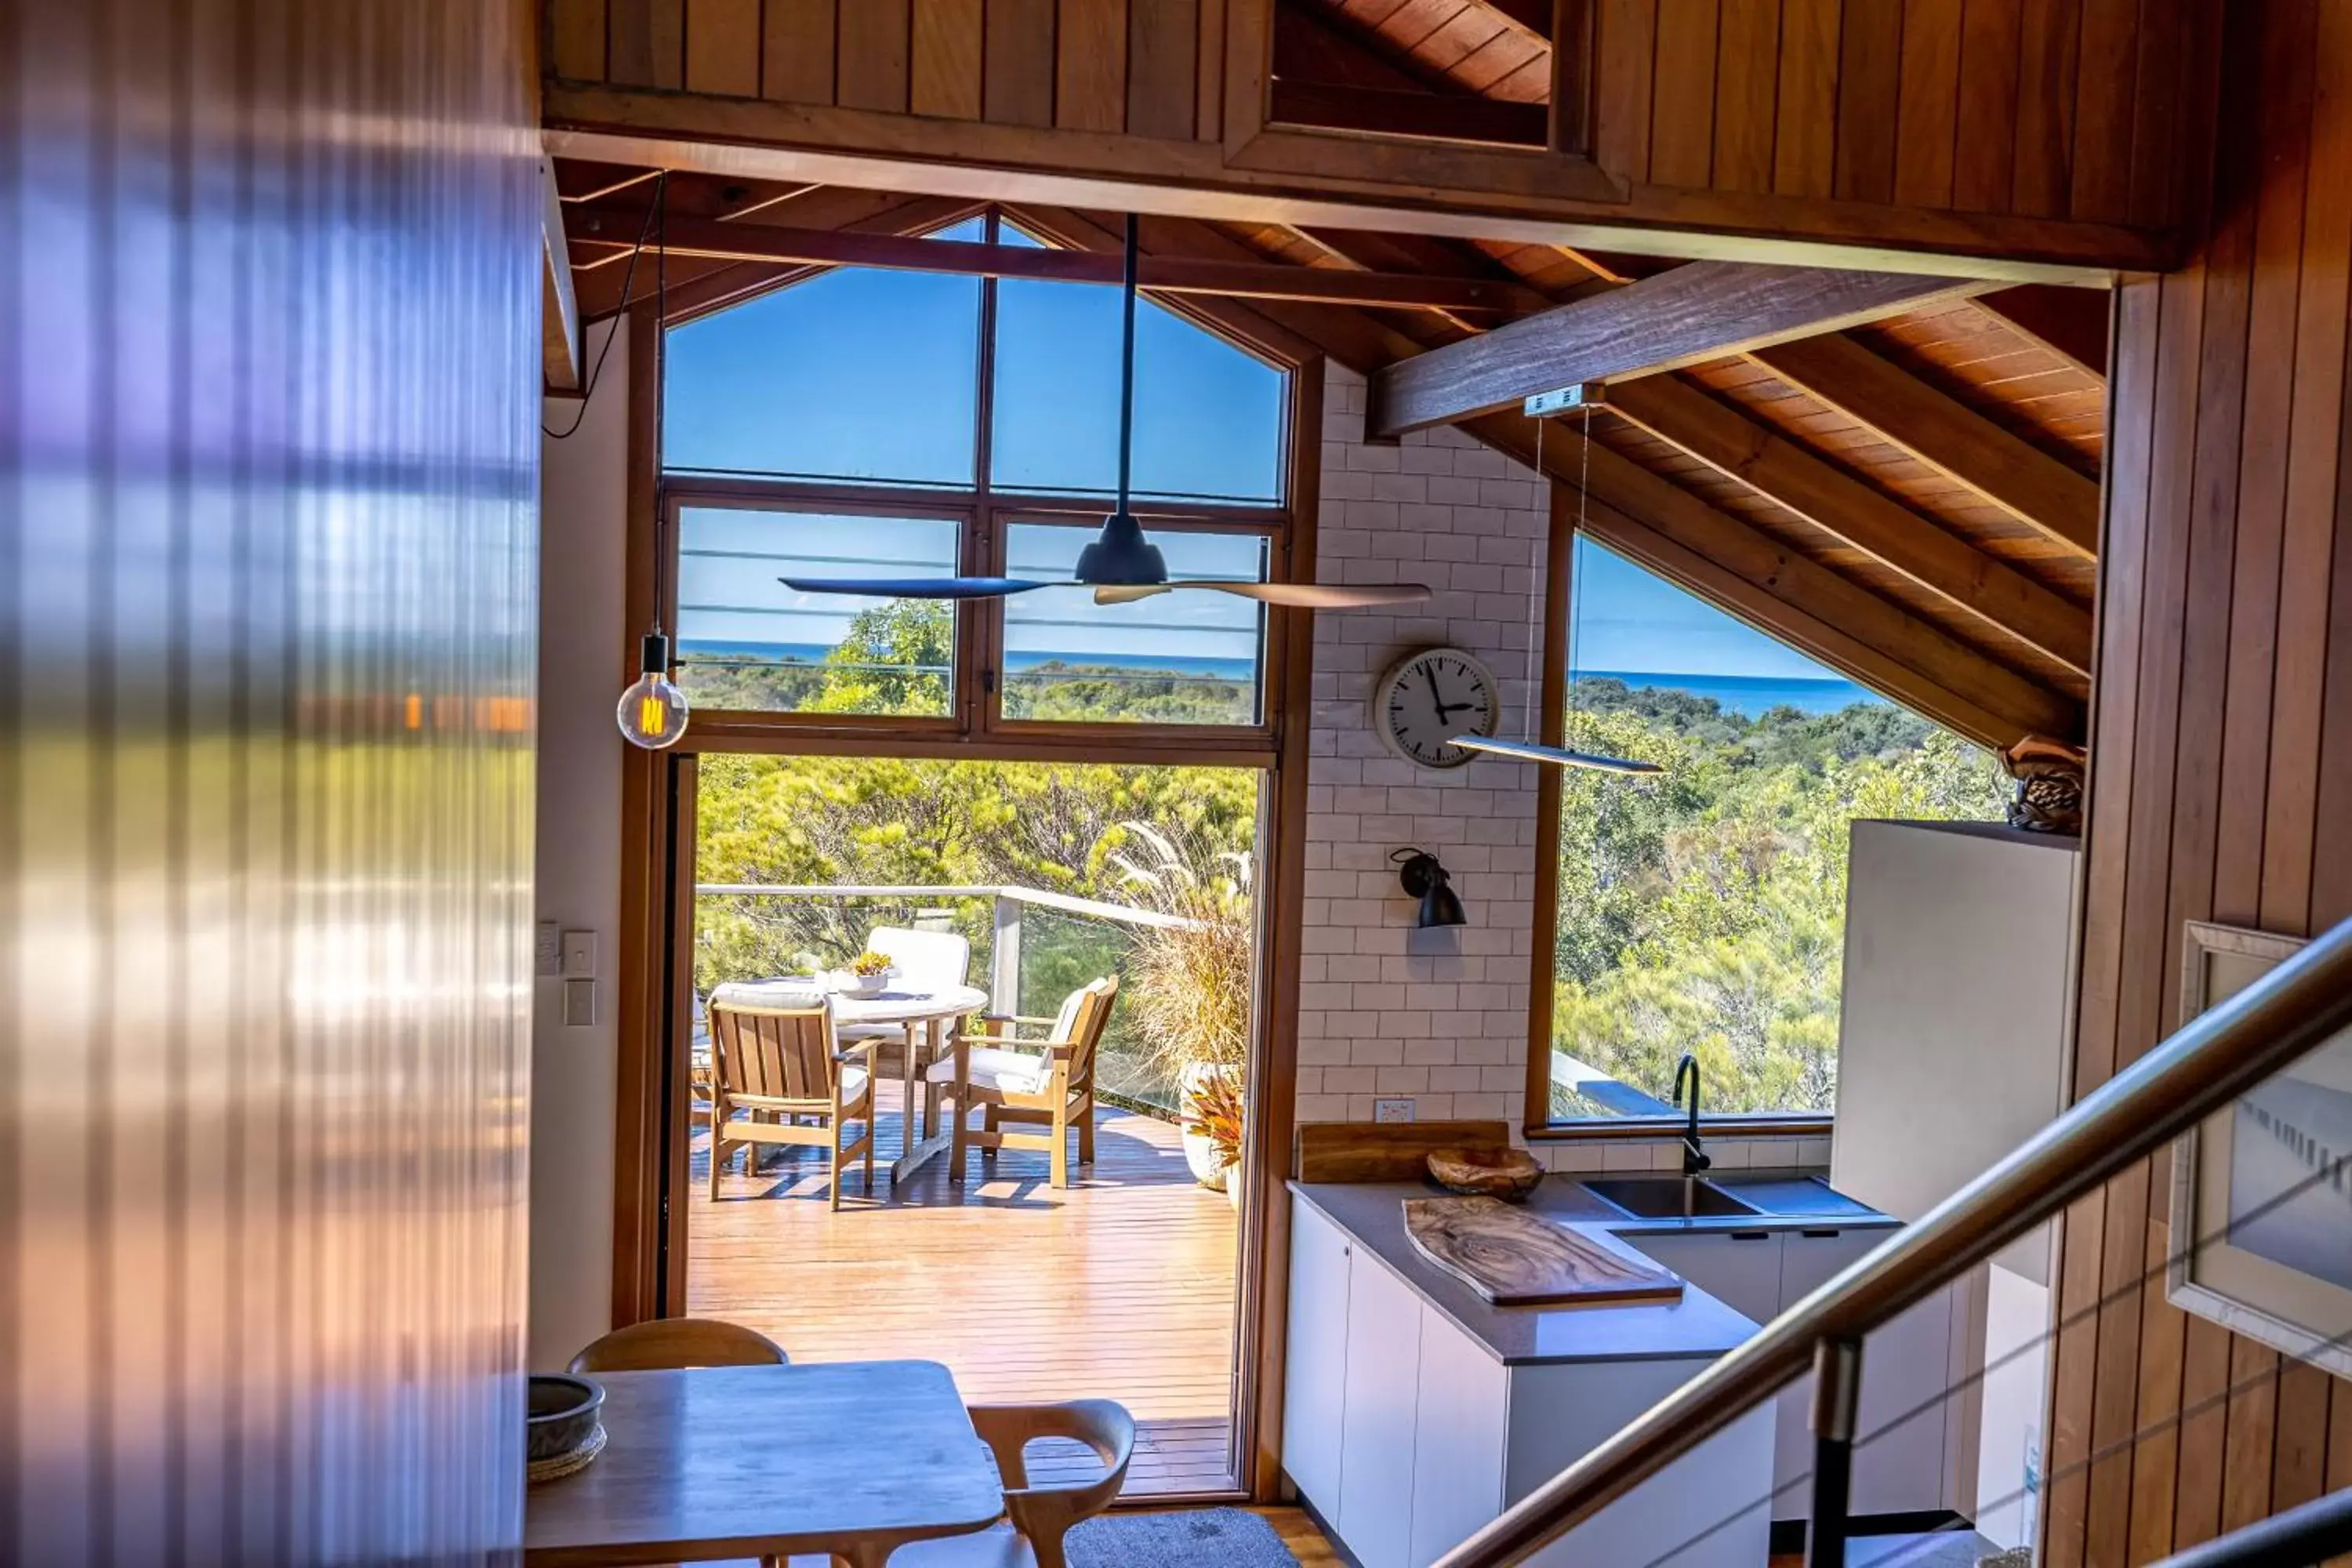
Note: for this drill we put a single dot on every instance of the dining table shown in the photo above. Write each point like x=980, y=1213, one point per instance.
x=921, y=1014
x=853, y=1459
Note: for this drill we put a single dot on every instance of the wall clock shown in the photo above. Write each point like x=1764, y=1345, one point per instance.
x=1429, y=696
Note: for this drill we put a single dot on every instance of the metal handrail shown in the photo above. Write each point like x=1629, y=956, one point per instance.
x=1120, y=914
x=2300, y=1538
x=2211, y=1060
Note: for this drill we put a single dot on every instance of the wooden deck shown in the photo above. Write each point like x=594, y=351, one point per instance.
x=1121, y=1287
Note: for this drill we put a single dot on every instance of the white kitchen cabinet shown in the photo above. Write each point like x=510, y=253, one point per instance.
x=1376, y=1425
x=1407, y=1434
x=1906, y=1368
x=1463, y=1420
x=1314, y=1383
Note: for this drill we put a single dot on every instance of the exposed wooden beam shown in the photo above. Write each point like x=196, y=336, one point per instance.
x=1702, y=311
x=1734, y=565
x=1161, y=274
x=1445, y=117
x=559, y=306
x=1949, y=437
x=2070, y=322
x=1786, y=473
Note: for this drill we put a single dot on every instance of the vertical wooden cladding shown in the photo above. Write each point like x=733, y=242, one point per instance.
x=1143, y=67
x=2222, y=756
x=2045, y=108
x=266, y=804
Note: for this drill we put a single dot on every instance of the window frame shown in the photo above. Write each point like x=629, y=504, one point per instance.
x=984, y=514
x=1559, y=586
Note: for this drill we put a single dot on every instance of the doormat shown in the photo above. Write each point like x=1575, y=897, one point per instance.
x=1225, y=1536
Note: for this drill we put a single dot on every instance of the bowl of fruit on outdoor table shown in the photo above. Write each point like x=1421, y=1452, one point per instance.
x=1509, y=1175
x=867, y=974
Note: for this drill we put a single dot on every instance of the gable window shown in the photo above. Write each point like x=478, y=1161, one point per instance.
x=865, y=423
x=1704, y=910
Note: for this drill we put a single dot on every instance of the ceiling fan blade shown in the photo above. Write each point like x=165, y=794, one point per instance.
x=1556, y=756
x=1128, y=593
x=915, y=588
x=1319, y=596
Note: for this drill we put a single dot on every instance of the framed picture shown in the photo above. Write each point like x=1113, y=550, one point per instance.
x=2261, y=1193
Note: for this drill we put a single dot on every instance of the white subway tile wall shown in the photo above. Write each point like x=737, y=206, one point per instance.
x=1375, y=1020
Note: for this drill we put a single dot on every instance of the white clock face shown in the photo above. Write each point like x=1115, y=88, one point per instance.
x=1428, y=698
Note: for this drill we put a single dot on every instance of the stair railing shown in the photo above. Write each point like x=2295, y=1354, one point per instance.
x=2208, y=1064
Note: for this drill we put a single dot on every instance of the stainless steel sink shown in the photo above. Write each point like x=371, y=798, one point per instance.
x=1668, y=1198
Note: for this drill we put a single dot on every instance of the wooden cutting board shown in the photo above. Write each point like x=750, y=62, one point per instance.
x=1515, y=1260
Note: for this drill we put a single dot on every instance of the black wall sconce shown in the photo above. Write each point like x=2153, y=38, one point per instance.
x=1425, y=879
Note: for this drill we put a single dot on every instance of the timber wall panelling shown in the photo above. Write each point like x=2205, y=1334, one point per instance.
x=2222, y=784
x=266, y=807
x=1914, y=123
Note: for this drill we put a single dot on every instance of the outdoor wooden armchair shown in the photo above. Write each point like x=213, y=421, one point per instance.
x=783, y=1064
x=1047, y=1083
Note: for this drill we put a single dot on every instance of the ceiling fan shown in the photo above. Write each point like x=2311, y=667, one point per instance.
x=1122, y=565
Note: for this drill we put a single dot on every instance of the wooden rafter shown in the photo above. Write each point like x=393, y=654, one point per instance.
x=1691, y=315
x=1831, y=617
x=559, y=321
x=1881, y=396
x=2070, y=322
x=1380, y=111
x=1792, y=476
x=770, y=242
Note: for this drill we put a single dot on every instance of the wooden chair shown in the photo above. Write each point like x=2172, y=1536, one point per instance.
x=779, y=1059
x=1045, y=1514
x=665, y=1344
x=1054, y=1089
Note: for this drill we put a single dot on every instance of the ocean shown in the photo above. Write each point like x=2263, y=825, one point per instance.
x=1745, y=694
x=1748, y=694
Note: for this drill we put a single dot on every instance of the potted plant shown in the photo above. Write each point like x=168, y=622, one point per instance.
x=864, y=976
x=1188, y=994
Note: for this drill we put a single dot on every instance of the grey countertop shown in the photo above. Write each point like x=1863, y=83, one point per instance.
x=1697, y=1327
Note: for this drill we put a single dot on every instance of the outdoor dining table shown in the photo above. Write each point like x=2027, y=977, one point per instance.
x=855, y=1458
x=913, y=1010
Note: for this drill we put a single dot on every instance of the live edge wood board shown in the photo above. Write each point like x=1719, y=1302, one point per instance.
x=1514, y=1258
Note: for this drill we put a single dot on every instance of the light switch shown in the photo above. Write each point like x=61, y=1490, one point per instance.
x=580, y=955
x=579, y=1003
x=547, y=949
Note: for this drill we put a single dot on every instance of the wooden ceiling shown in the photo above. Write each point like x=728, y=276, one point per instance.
x=1914, y=501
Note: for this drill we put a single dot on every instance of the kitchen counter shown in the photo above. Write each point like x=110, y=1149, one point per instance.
x=1699, y=1325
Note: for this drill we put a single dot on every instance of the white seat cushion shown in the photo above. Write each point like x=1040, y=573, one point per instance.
x=789, y=995
x=1016, y=1073
x=853, y=1084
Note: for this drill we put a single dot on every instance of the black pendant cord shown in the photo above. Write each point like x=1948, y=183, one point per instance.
x=1127, y=365
x=658, y=639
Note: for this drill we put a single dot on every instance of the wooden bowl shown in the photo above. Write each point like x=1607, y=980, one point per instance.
x=564, y=1416
x=1507, y=1174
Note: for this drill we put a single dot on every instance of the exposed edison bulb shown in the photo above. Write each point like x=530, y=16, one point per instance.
x=652, y=711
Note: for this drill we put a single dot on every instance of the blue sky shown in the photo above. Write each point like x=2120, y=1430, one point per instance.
x=872, y=376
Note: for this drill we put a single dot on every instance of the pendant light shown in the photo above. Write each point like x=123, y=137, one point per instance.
x=652, y=711
x=1122, y=564
x=1530, y=750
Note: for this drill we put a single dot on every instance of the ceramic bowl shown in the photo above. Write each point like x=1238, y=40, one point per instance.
x=564, y=1415
x=1509, y=1175
x=849, y=983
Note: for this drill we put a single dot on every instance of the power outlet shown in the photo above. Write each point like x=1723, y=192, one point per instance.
x=1393, y=1110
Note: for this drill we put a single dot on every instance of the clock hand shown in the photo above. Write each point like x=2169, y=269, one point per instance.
x=1444, y=706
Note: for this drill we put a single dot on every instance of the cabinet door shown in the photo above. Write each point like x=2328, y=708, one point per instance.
x=1376, y=1423
x=1462, y=1415
x=1740, y=1269
x=1900, y=1468
x=1315, y=1359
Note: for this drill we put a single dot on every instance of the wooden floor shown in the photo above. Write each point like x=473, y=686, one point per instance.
x=1120, y=1287
x=999, y=1548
